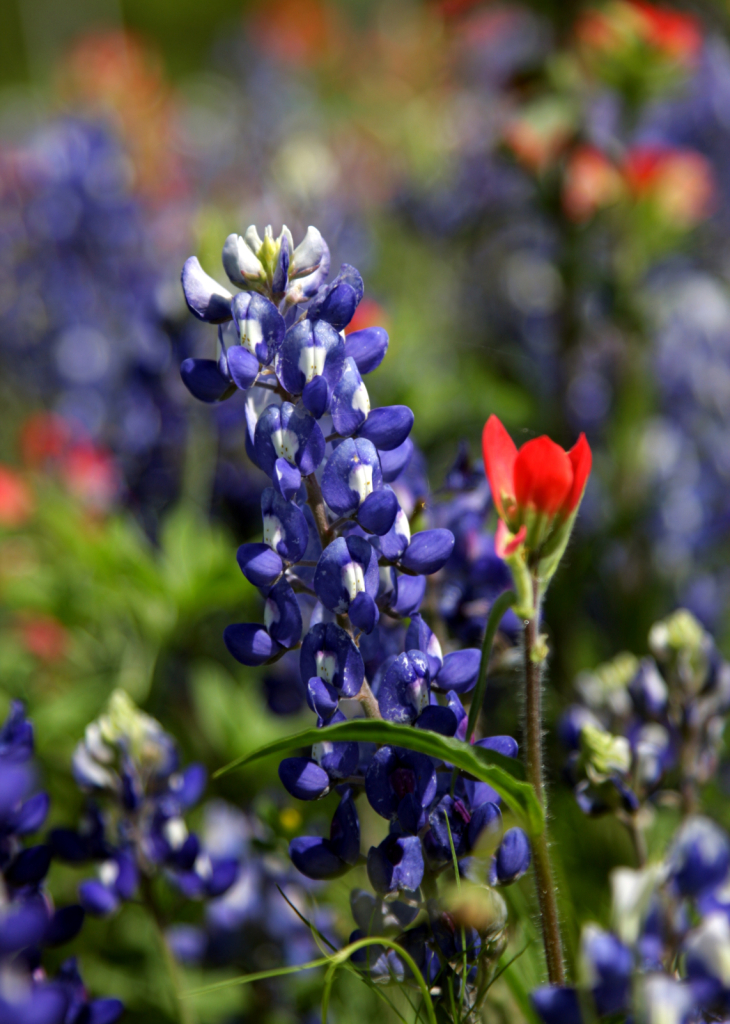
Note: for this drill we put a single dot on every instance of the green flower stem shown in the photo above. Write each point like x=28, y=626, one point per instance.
x=183, y=1009
x=533, y=764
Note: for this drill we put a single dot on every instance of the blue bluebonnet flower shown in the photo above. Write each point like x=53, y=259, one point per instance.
x=649, y=723
x=339, y=570
x=30, y=922
x=254, y=912
x=86, y=328
x=674, y=907
x=128, y=760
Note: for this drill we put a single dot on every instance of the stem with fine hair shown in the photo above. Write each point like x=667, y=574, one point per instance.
x=533, y=763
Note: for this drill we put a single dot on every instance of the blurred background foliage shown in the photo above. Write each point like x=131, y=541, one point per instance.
x=540, y=214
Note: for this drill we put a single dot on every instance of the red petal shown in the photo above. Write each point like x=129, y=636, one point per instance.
x=543, y=475
x=499, y=460
x=581, y=459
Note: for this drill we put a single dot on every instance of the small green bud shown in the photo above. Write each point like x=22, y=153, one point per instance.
x=606, y=685
x=603, y=753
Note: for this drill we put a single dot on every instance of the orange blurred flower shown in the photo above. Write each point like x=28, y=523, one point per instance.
x=295, y=31
x=624, y=24
x=591, y=183
x=540, y=132
x=119, y=74
x=16, y=498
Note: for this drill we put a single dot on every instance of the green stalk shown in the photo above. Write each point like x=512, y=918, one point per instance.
x=544, y=881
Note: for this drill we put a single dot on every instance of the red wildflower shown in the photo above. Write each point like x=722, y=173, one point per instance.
x=16, y=498
x=43, y=636
x=90, y=474
x=540, y=478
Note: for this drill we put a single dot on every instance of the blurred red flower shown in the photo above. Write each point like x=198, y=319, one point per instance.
x=43, y=636
x=16, y=498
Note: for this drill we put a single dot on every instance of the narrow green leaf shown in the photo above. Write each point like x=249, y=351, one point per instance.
x=504, y=774
x=380, y=940
x=245, y=979
x=496, y=612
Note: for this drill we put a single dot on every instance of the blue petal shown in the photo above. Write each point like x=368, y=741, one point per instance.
x=259, y=564
x=367, y=348
x=437, y=719
x=97, y=899
x=307, y=351
x=345, y=830
x=512, y=858
x=350, y=403
x=286, y=479
x=204, y=379
x=387, y=427
x=378, y=512
x=249, y=643
x=105, y=1011
x=316, y=396
x=285, y=526
x=22, y=925
x=419, y=636
x=206, y=299
x=328, y=651
x=315, y=858
x=322, y=698
x=404, y=691
x=556, y=1005
x=337, y=301
x=364, y=613
x=410, y=592
x=396, y=864
x=486, y=816
x=351, y=473
x=394, y=462
x=260, y=326
x=303, y=778
x=394, y=542
x=291, y=433
x=460, y=670
x=32, y=814
x=428, y=551
x=242, y=366
x=282, y=615
x=502, y=744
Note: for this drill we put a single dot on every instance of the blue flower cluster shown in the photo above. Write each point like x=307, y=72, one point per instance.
x=29, y=922
x=649, y=724
x=127, y=758
x=252, y=912
x=666, y=957
x=343, y=581
x=84, y=322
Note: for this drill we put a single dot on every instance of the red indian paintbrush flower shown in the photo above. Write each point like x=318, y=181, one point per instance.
x=536, y=491
x=541, y=475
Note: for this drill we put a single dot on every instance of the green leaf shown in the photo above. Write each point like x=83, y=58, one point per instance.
x=503, y=774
